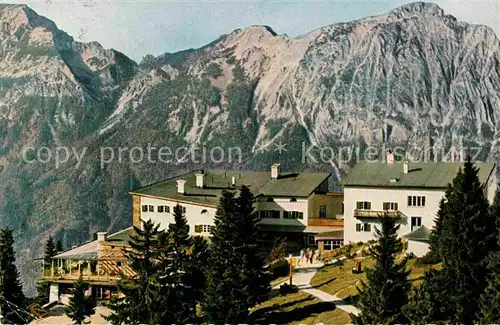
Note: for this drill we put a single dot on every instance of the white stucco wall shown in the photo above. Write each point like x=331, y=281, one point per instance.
x=379, y=195
x=418, y=248
x=195, y=217
x=284, y=204
x=54, y=292
x=193, y=214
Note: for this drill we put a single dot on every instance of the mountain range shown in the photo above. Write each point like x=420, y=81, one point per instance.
x=414, y=77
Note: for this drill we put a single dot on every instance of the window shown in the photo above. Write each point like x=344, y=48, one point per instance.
x=390, y=206
x=204, y=211
x=311, y=241
x=322, y=211
x=202, y=228
x=163, y=209
x=359, y=227
x=144, y=208
x=416, y=201
x=416, y=222
x=293, y=199
x=274, y=214
x=293, y=215
x=367, y=227
x=363, y=205
x=151, y=208
x=331, y=244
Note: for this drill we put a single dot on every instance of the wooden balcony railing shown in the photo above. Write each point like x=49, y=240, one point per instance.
x=376, y=214
x=325, y=222
x=56, y=275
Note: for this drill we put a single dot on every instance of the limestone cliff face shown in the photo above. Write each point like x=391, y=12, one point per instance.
x=412, y=77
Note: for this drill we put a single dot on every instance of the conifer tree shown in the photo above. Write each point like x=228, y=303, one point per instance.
x=235, y=279
x=255, y=278
x=383, y=297
x=43, y=287
x=50, y=251
x=59, y=246
x=11, y=291
x=43, y=292
x=490, y=299
x=464, y=237
x=178, y=296
x=80, y=305
x=425, y=304
x=139, y=304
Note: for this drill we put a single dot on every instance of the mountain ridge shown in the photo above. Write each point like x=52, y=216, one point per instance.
x=413, y=77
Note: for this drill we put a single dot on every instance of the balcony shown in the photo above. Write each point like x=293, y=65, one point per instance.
x=325, y=222
x=104, y=272
x=375, y=214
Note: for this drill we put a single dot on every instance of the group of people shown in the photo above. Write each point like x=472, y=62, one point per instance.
x=309, y=255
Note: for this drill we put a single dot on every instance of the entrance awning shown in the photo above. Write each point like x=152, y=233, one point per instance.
x=330, y=235
x=419, y=234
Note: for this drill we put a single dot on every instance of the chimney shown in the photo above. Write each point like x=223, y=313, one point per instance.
x=180, y=186
x=275, y=171
x=405, y=167
x=200, y=179
x=390, y=157
x=101, y=236
x=233, y=181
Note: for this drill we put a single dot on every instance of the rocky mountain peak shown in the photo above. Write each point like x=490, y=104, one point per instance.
x=420, y=8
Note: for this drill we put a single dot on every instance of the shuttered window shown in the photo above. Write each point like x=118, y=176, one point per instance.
x=363, y=205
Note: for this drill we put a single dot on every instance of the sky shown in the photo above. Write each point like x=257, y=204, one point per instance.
x=140, y=27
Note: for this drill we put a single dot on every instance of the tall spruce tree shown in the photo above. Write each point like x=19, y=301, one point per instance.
x=383, y=297
x=50, y=251
x=490, y=299
x=464, y=237
x=235, y=279
x=425, y=305
x=177, y=292
x=141, y=293
x=11, y=290
x=43, y=287
x=80, y=305
x=59, y=246
x=255, y=278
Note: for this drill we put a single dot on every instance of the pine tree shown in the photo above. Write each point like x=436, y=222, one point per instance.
x=50, y=251
x=43, y=292
x=235, y=277
x=383, y=297
x=43, y=287
x=11, y=291
x=59, y=246
x=80, y=305
x=255, y=278
x=490, y=299
x=139, y=303
x=464, y=237
x=425, y=303
x=179, y=298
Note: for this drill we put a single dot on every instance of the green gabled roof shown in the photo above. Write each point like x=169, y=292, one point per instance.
x=122, y=235
x=420, y=175
x=419, y=234
x=260, y=183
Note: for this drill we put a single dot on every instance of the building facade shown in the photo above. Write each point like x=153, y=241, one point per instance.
x=294, y=205
x=408, y=192
x=99, y=262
